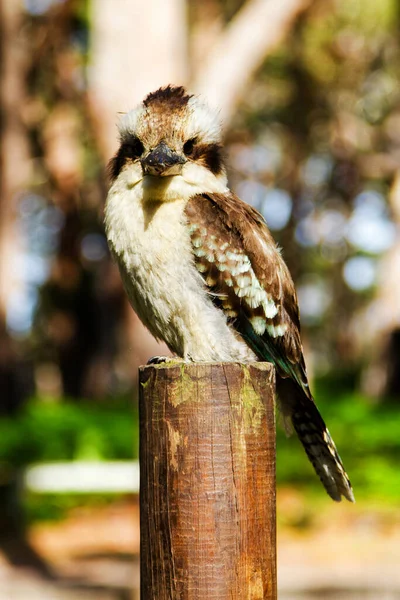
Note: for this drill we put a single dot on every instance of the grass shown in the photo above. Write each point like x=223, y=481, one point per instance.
x=67, y=430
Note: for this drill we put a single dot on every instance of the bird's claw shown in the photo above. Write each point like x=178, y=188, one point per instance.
x=157, y=360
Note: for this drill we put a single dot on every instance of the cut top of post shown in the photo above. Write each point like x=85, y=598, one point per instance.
x=207, y=451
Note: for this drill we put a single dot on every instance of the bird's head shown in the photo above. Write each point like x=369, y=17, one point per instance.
x=171, y=145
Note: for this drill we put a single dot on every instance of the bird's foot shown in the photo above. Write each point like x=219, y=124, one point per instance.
x=159, y=360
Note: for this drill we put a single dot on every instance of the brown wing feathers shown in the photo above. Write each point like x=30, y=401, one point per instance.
x=242, y=266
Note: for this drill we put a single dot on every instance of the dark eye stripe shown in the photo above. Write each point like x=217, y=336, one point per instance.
x=131, y=149
x=210, y=155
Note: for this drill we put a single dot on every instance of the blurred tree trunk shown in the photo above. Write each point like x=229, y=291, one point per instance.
x=389, y=294
x=14, y=172
x=254, y=32
x=69, y=309
x=380, y=323
x=134, y=50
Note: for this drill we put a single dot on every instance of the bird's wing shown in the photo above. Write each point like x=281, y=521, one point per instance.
x=248, y=279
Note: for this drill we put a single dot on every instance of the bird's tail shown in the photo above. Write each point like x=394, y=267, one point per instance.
x=319, y=445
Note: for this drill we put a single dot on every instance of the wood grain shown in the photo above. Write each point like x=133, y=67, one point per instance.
x=207, y=460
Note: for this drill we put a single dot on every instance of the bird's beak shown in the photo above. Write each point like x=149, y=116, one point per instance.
x=162, y=161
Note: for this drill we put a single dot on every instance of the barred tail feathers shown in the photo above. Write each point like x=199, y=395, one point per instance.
x=300, y=412
x=321, y=450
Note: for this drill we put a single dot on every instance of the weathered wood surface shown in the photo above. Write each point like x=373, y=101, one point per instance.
x=207, y=499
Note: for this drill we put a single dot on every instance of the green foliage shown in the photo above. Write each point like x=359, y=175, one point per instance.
x=367, y=15
x=367, y=437
x=69, y=431
x=64, y=431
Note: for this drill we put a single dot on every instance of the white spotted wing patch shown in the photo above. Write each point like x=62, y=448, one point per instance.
x=230, y=272
x=247, y=277
x=277, y=330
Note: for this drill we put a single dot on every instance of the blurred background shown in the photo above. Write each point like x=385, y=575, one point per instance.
x=308, y=92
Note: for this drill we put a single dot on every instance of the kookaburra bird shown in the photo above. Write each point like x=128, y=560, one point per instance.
x=200, y=266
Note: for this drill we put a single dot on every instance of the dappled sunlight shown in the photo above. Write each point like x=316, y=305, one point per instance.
x=309, y=97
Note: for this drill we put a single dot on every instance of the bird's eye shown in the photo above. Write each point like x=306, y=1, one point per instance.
x=188, y=146
x=133, y=148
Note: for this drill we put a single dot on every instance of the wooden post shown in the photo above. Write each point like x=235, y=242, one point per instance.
x=207, y=469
